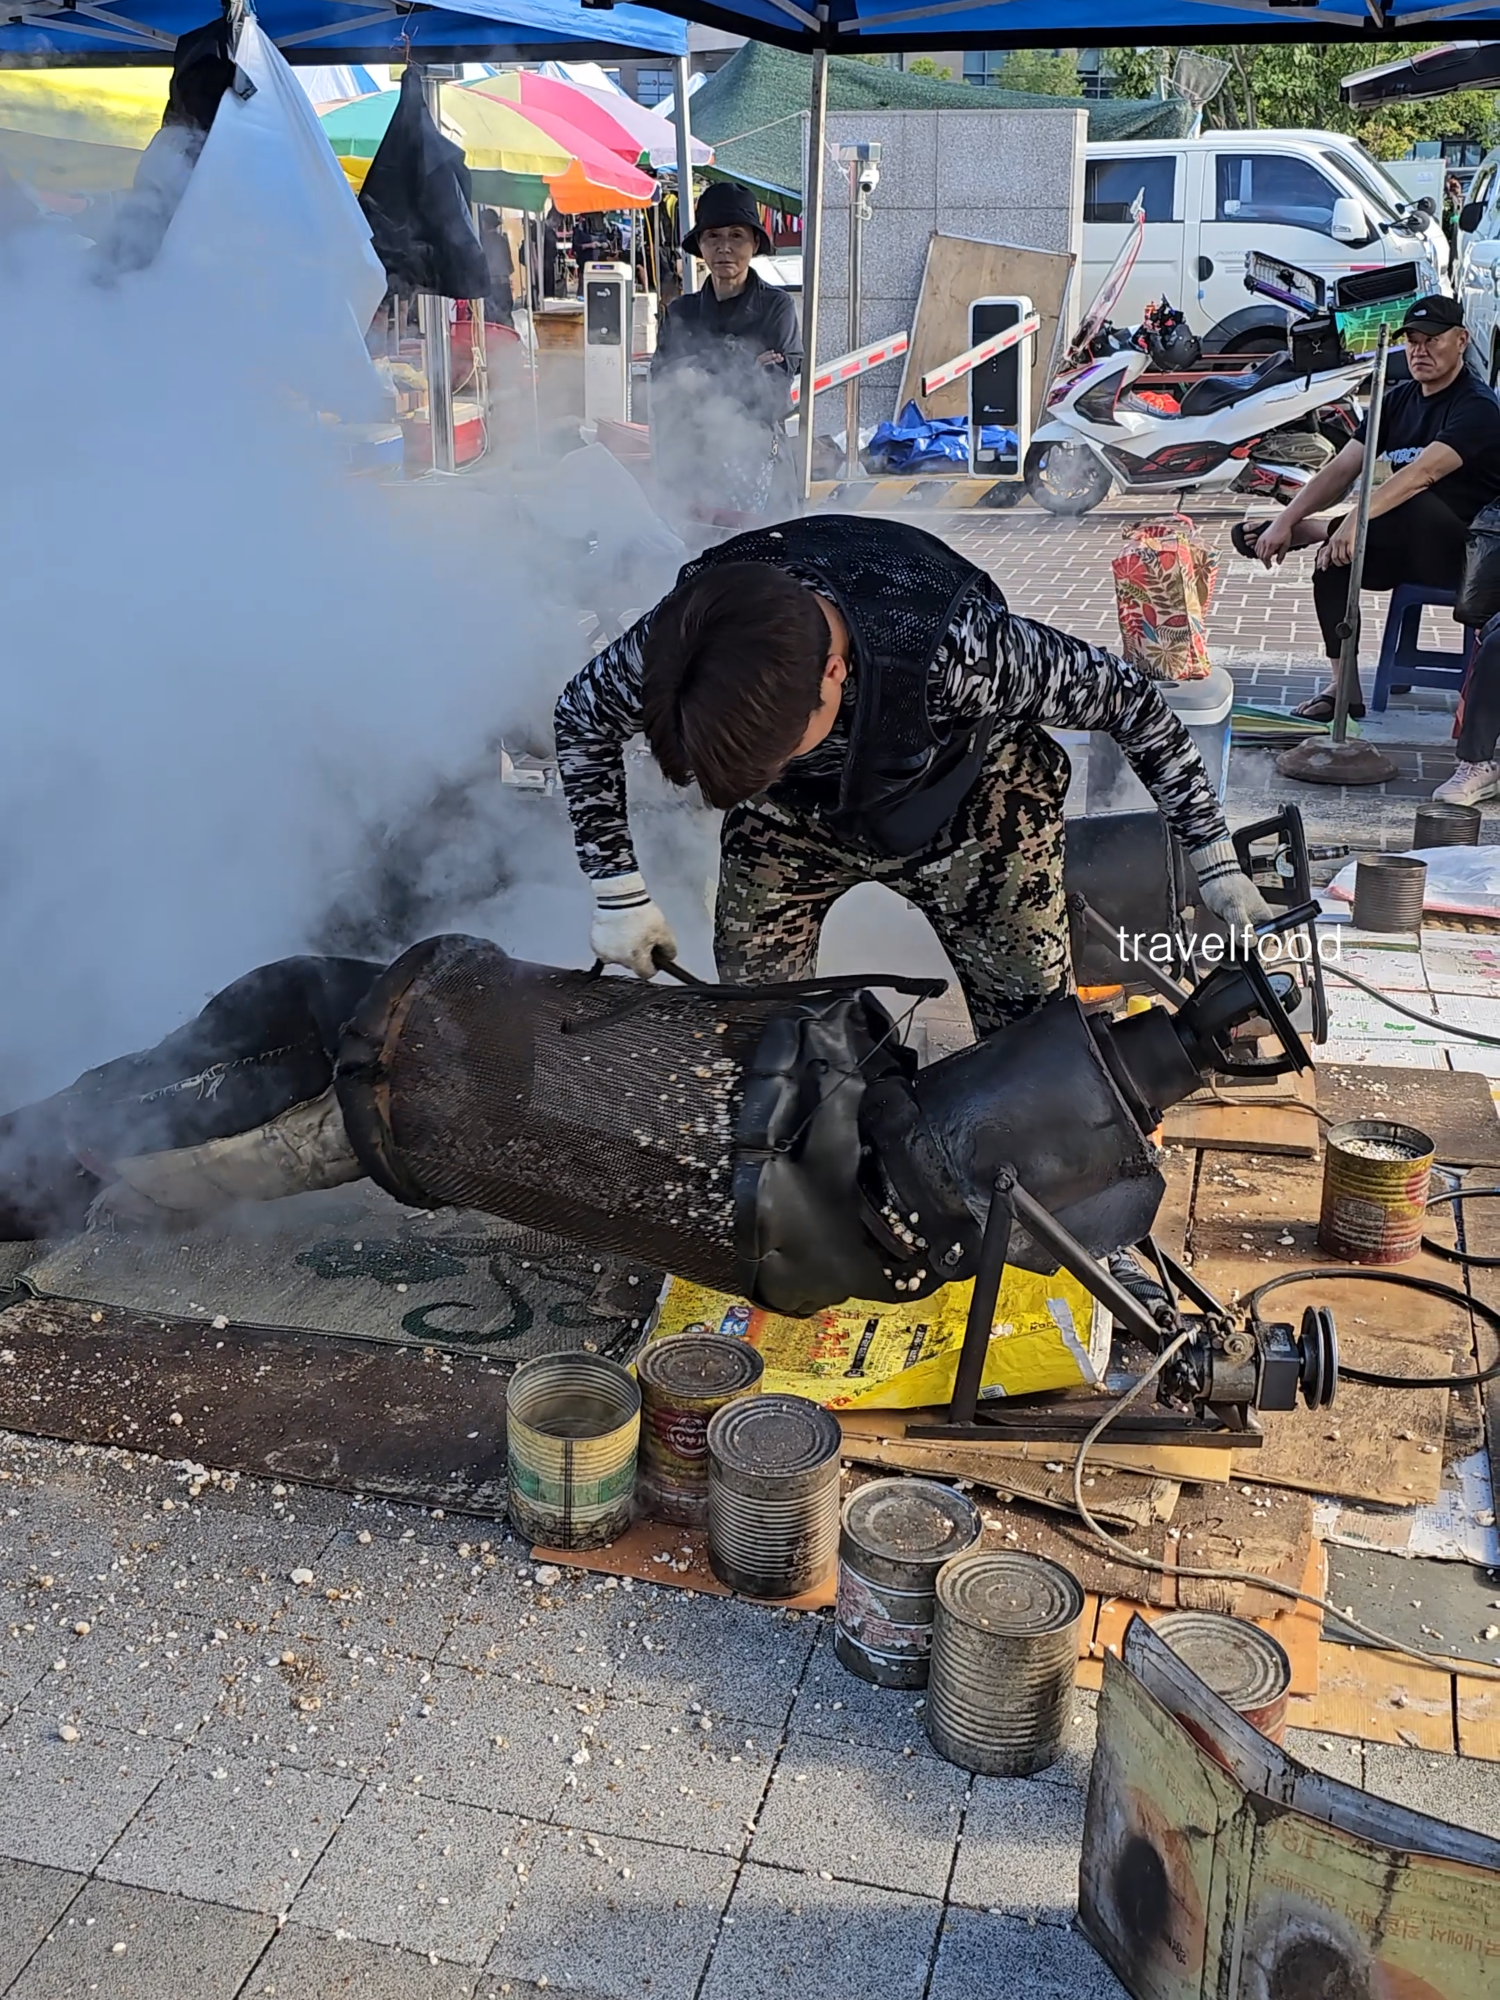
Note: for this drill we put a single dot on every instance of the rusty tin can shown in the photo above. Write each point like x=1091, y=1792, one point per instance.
x=773, y=1495
x=895, y=1536
x=1004, y=1659
x=684, y=1381
x=572, y=1426
x=1244, y=1666
x=1375, y=1184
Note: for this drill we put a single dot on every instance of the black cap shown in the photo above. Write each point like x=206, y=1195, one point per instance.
x=722, y=205
x=1434, y=314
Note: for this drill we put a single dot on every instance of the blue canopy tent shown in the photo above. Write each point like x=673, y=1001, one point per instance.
x=49, y=32
x=850, y=27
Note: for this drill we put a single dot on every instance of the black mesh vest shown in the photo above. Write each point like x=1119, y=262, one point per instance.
x=899, y=590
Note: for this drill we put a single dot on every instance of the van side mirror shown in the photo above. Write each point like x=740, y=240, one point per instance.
x=1349, y=223
x=1470, y=216
x=1427, y=205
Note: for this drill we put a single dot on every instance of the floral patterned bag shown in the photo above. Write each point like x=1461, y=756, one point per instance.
x=1164, y=582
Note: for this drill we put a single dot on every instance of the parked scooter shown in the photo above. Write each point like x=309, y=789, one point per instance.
x=1264, y=429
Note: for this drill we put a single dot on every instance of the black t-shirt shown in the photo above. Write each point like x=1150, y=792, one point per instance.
x=1466, y=417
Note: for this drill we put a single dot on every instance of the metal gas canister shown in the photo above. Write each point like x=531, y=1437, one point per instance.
x=685, y=1380
x=895, y=1536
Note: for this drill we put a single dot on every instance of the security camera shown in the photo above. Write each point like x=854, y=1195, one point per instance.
x=869, y=178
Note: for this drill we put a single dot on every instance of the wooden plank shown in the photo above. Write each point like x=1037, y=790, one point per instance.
x=1209, y=1464
x=1453, y=1107
x=959, y=270
x=1384, y=1698
x=1478, y=1708
x=1242, y=1118
x=676, y=1558
x=1126, y=1499
x=1254, y=1215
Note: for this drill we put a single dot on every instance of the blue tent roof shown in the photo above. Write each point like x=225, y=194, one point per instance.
x=848, y=27
x=347, y=31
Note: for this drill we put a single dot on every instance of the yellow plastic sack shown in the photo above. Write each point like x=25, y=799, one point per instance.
x=1049, y=1333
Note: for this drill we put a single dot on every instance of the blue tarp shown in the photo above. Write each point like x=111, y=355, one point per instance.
x=323, y=31
x=852, y=26
x=914, y=443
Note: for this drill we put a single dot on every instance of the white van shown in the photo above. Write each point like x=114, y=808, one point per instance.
x=1476, y=277
x=1312, y=198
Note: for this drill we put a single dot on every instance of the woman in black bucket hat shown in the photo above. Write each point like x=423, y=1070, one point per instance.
x=721, y=377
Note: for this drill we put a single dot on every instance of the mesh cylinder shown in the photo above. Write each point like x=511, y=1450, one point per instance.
x=598, y=1109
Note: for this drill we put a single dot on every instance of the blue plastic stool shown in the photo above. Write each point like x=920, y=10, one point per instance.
x=1402, y=660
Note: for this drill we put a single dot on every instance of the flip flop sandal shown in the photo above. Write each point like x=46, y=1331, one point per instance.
x=1321, y=706
x=1245, y=534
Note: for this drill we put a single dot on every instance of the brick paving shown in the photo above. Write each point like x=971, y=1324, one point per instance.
x=434, y=1773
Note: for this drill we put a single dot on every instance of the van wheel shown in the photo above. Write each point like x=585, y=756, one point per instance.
x=1066, y=478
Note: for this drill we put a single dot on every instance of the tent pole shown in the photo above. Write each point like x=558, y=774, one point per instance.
x=684, y=167
x=812, y=243
x=436, y=339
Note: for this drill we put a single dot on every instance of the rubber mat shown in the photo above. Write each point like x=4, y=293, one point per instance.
x=351, y=1261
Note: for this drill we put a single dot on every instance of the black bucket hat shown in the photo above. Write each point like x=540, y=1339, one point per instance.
x=722, y=205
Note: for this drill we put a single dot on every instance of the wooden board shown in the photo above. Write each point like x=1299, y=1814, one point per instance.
x=1454, y=1108
x=675, y=1558
x=1243, y=1118
x=1384, y=1699
x=1477, y=1704
x=959, y=270
x=1128, y=1499
x=1210, y=1463
x=1374, y=1444
x=1214, y=1528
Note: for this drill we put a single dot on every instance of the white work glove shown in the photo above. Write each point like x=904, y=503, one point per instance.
x=1227, y=889
x=628, y=926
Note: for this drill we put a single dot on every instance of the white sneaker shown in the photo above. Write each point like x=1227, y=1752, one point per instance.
x=1470, y=784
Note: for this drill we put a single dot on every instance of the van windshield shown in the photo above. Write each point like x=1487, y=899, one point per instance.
x=1366, y=173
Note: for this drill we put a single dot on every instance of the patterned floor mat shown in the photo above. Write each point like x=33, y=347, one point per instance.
x=352, y=1261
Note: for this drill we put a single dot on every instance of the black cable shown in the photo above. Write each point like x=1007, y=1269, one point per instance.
x=1324, y=1274
x=1450, y=1251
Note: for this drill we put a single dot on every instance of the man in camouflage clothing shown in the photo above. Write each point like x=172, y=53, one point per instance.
x=866, y=709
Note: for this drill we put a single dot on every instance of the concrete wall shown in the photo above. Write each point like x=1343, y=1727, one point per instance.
x=997, y=176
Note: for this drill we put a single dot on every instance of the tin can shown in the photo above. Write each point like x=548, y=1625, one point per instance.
x=1375, y=1183
x=1389, y=891
x=895, y=1536
x=572, y=1425
x=1244, y=1666
x=1004, y=1659
x=773, y=1495
x=684, y=1381
x=1440, y=824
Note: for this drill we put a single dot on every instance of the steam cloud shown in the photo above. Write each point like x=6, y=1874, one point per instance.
x=237, y=678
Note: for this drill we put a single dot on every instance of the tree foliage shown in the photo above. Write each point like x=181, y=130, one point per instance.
x=925, y=66
x=1042, y=73
x=1297, y=84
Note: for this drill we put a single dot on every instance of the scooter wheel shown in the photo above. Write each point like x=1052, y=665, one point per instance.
x=1066, y=478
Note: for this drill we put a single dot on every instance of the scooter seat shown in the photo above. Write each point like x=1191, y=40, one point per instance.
x=1217, y=392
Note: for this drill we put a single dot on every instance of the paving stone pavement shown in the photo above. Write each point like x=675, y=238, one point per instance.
x=250, y=1788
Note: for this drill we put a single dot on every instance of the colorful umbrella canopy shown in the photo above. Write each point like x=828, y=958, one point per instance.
x=637, y=134
x=512, y=163
x=599, y=178
x=79, y=131
x=655, y=135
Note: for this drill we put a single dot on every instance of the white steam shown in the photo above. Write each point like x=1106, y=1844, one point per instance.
x=231, y=670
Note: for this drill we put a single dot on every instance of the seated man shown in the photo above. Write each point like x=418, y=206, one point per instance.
x=1441, y=432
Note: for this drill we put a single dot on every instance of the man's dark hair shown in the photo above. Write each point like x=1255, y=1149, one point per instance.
x=733, y=670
